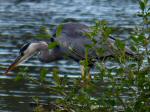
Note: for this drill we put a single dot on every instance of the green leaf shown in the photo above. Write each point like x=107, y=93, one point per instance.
x=134, y=48
x=43, y=36
x=90, y=35
x=56, y=77
x=43, y=74
x=59, y=30
x=120, y=44
x=107, y=32
x=142, y=5
x=100, y=51
x=43, y=29
x=88, y=46
x=19, y=78
x=135, y=38
x=43, y=33
x=53, y=45
x=145, y=1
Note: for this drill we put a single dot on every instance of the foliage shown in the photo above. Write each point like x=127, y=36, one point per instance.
x=123, y=87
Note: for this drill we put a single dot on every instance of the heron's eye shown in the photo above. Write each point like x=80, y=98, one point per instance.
x=21, y=53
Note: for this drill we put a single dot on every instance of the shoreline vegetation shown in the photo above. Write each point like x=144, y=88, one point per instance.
x=129, y=77
x=124, y=87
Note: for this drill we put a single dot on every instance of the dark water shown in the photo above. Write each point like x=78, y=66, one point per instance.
x=25, y=16
x=18, y=17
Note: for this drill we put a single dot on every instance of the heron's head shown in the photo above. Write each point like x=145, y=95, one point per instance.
x=26, y=51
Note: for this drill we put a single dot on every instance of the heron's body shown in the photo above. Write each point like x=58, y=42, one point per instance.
x=72, y=43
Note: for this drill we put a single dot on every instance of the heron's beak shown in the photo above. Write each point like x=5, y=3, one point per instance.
x=18, y=60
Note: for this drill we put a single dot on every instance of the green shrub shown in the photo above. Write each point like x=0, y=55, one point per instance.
x=123, y=87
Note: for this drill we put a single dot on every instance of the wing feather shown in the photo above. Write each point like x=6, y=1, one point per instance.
x=73, y=41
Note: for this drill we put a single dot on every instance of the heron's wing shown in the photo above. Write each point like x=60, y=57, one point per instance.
x=73, y=41
x=74, y=47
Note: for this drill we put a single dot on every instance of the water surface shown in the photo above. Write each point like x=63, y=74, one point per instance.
x=18, y=17
x=26, y=16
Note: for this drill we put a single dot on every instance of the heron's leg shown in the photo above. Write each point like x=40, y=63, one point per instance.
x=82, y=72
x=89, y=75
x=85, y=72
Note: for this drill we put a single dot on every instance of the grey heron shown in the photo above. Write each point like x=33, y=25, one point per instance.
x=71, y=43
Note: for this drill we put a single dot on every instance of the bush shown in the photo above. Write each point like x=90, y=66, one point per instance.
x=123, y=87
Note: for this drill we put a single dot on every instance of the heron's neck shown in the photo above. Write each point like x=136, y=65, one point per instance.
x=46, y=55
